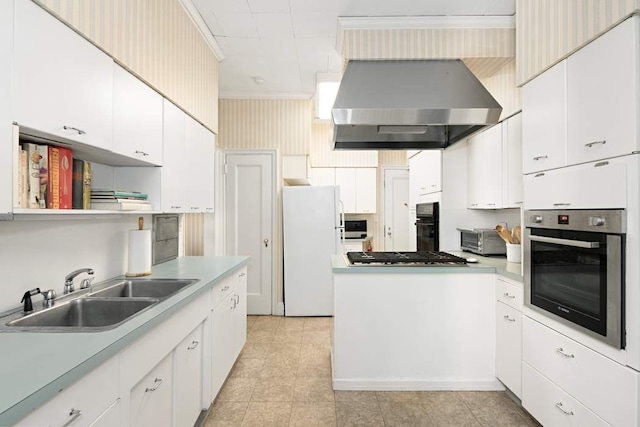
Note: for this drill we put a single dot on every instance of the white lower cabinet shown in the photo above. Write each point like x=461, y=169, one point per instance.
x=188, y=378
x=509, y=347
x=551, y=406
x=110, y=417
x=83, y=402
x=606, y=388
x=150, y=401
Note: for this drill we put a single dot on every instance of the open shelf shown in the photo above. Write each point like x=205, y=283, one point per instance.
x=41, y=214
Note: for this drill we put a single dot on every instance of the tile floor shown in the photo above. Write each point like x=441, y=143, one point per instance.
x=283, y=378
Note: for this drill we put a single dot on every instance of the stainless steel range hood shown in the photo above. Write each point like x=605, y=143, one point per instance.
x=399, y=105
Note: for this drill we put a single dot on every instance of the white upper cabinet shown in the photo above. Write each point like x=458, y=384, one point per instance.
x=6, y=117
x=485, y=169
x=544, y=121
x=137, y=118
x=199, y=167
x=602, y=96
x=425, y=174
x=63, y=85
x=323, y=176
x=366, y=190
x=346, y=179
x=474, y=171
x=512, y=155
x=174, y=165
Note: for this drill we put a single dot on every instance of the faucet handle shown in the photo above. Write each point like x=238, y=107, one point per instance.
x=49, y=297
x=86, y=282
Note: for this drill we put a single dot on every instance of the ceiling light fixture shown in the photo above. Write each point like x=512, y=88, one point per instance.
x=326, y=90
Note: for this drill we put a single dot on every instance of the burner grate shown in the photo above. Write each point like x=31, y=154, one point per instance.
x=404, y=258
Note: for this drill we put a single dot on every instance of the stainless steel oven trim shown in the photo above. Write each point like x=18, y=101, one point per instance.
x=614, y=293
x=566, y=242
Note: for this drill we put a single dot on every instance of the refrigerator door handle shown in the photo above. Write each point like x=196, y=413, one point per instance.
x=342, y=235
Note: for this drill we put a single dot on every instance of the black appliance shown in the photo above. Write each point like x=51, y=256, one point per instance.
x=404, y=259
x=574, y=269
x=355, y=229
x=427, y=226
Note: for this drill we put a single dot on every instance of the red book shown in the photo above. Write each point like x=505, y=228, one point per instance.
x=60, y=178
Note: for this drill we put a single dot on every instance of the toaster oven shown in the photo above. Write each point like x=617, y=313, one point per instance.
x=482, y=241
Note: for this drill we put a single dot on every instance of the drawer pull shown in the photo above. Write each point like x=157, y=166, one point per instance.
x=242, y=274
x=540, y=157
x=193, y=345
x=141, y=152
x=506, y=294
x=559, y=406
x=224, y=288
x=560, y=350
x=507, y=318
x=80, y=131
x=599, y=164
x=176, y=207
x=237, y=297
x=591, y=144
x=156, y=383
x=538, y=175
x=74, y=414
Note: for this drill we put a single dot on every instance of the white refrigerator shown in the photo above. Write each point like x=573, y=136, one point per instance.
x=311, y=228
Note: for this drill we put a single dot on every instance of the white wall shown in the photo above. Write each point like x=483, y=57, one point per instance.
x=39, y=253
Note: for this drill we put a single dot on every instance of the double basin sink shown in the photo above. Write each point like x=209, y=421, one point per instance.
x=110, y=305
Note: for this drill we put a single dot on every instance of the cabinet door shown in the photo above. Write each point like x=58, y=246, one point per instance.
x=474, y=172
x=240, y=315
x=110, y=417
x=60, y=79
x=207, y=191
x=491, y=167
x=602, y=96
x=137, y=118
x=416, y=179
x=173, y=162
x=509, y=347
x=346, y=180
x=199, y=171
x=221, y=343
x=365, y=183
x=323, y=176
x=8, y=146
x=295, y=167
x=151, y=398
x=544, y=122
x=188, y=378
x=512, y=143
x=432, y=171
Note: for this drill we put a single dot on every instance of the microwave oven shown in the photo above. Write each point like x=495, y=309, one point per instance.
x=482, y=241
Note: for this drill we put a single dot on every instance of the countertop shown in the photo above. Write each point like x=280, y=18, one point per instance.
x=498, y=265
x=35, y=366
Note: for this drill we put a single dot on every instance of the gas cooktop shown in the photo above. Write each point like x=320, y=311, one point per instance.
x=404, y=259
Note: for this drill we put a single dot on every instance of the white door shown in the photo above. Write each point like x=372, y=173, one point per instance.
x=249, y=203
x=396, y=210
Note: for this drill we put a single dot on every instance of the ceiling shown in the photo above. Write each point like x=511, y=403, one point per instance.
x=284, y=43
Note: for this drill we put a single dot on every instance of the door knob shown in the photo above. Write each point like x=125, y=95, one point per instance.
x=266, y=243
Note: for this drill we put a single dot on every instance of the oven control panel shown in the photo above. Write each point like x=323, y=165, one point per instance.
x=600, y=220
x=597, y=221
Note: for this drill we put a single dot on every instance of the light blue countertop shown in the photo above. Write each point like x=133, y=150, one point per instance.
x=497, y=265
x=35, y=366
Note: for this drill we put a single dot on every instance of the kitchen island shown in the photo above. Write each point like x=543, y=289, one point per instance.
x=414, y=328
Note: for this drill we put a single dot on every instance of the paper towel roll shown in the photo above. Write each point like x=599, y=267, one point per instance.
x=139, y=253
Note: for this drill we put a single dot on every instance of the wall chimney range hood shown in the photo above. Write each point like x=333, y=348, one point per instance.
x=400, y=105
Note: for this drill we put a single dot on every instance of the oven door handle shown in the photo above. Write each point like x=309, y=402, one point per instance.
x=565, y=242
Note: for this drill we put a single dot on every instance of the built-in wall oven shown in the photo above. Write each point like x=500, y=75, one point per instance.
x=574, y=269
x=427, y=224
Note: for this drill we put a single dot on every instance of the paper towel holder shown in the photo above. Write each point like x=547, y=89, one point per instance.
x=140, y=261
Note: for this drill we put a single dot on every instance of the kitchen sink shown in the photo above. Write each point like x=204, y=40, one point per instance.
x=85, y=314
x=143, y=288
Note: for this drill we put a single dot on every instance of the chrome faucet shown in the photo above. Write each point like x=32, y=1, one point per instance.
x=68, y=280
x=49, y=297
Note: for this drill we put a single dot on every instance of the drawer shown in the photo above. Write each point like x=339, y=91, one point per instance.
x=551, y=406
x=509, y=347
x=222, y=289
x=91, y=396
x=509, y=294
x=151, y=399
x=605, y=387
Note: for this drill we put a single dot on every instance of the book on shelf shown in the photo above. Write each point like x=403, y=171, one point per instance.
x=81, y=185
x=121, y=206
x=22, y=196
x=34, y=155
x=119, y=200
x=118, y=194
x=60, y=181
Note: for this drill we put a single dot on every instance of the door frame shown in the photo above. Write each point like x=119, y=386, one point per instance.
x=221, y=222
x=383, y=195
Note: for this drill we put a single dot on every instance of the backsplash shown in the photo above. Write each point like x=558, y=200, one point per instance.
x=39, y=253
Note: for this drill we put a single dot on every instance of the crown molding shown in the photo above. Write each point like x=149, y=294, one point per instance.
x=424, y=22
x=203, y=28
x=266, y=95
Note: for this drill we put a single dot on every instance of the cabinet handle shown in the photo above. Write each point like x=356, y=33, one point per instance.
x=224, y=288
x=434, y=185
x=561, y=204
x=559, y=406
x=560, y=350
x=423, y=188
x=242, y=274
x=507, y=318
x=491, y=204
x=506, y=294
x=591, y=144
x=156, y=383
x=540, y=157
x=74, y=414
x=141, y=152
x=193, y=345
x=208, y=209
x=194, y=208
x=474, y=204
x=517, y=203
x=538, y=175
x=597, y=165
x=176, y=207
x=234, y=303
x=80, y=131
x=237, y=297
